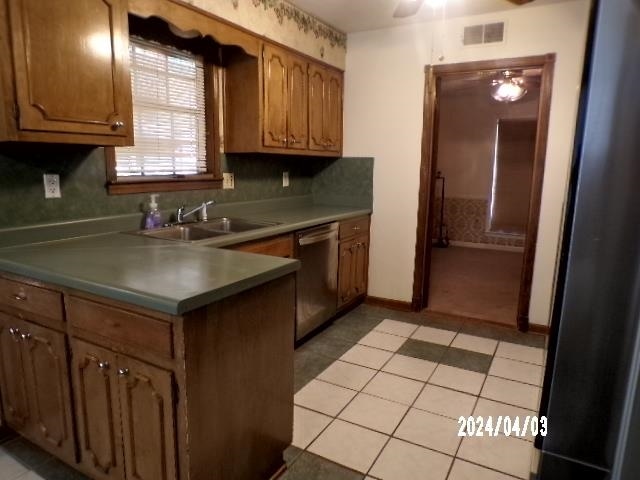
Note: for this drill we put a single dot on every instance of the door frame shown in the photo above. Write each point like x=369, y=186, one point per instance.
x=433, y=76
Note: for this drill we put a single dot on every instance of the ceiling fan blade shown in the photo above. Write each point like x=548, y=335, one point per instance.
x=520, y=2
x=406, y=8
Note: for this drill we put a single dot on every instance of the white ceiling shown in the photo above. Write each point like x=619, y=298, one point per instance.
x=359, y=15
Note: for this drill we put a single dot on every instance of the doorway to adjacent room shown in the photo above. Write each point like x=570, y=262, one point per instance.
x=484, y=147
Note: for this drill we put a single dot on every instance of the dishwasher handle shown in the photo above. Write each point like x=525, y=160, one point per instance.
x=317, y=238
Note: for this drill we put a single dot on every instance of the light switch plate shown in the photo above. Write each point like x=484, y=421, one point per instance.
x=228, y=181
x=51, y=185
x=285, y=179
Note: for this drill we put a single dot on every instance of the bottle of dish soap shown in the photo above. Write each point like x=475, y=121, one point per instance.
x=153, y=219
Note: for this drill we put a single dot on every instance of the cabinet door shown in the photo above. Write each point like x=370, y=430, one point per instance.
x=71, y=66
x=45, y=361
x=346, y=272
x=13, y=383
x=148, y=420
x=361, y=264
x=97, y=411
x=275, y=97
x=298, y=117
x=316, y=107
x=332, y=111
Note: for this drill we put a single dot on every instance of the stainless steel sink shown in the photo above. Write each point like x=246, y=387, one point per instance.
x=204, y=230
x=183, y=233
x=233, y=225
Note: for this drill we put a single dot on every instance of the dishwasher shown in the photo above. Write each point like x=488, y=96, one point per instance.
x=317, y=282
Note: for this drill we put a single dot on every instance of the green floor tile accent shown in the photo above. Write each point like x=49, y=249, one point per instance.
x=311, y=467
x=326, y=345
x=423, y=350
x=457, y=357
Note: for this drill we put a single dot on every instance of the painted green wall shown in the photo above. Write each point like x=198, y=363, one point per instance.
x=83, y=177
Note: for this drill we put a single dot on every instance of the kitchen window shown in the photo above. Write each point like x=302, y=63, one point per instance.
x=175, y=113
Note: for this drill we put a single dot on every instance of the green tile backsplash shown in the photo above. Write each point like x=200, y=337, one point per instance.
x=83, y=177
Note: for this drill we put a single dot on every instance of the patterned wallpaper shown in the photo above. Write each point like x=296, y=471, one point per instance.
x=283, y=22
x=466, y=220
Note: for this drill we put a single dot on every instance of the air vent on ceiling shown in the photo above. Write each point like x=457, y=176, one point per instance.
x=487, y=33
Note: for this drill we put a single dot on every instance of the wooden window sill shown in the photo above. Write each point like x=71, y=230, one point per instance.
x=160, y=184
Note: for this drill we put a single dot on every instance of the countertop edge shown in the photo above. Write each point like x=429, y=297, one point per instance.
x=171, y=305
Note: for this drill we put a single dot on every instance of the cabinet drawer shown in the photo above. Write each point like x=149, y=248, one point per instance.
x=281, y=246
x=120, y=326
x=21, y=298
x=356, y=226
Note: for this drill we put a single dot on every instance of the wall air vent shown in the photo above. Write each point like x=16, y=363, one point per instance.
x=487, y=33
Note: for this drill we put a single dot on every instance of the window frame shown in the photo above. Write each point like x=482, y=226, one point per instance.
x=211, y=179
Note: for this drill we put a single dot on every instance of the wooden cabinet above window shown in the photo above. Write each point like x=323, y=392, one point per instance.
x=68, y=77
x=271, y=105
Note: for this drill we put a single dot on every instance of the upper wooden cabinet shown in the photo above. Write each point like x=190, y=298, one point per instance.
x=268, y=105
x=325, y=109
x=69, y=78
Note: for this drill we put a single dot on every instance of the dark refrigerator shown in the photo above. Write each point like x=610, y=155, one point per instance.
x=591, y=394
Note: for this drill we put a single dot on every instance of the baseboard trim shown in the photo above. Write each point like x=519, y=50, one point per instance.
x=542, y=329
x=389, y=303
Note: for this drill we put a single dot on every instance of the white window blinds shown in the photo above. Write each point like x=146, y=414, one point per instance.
x=168, y=112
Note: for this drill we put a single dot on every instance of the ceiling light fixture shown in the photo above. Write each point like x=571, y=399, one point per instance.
x=509, y=88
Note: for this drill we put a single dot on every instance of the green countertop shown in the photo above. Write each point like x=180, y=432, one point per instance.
x=167, y=276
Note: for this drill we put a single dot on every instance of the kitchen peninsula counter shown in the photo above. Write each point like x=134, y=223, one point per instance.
x=164, y=275
x=130, y=341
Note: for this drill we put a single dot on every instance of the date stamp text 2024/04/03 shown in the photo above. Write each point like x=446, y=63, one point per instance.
x=502, y=425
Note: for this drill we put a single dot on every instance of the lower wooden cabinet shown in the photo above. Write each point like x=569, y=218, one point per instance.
x=121, y=392
x=34, y=380
x=126, y=420
x=13, y=384
x=352, y=270
x=148, y=420
x=353, y=263
x=280, y=246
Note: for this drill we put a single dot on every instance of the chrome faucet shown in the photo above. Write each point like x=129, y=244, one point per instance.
x=180, y=214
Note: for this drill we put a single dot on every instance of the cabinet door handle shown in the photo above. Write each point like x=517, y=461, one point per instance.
x=293, y=140
x=103, y=365
x=357, y=227
x=26, y=336
x=14, y=331
x=123, y=372
x=116, y=125
x=21, y=297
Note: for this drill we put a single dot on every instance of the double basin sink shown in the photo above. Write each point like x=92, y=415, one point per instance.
x=216, y=227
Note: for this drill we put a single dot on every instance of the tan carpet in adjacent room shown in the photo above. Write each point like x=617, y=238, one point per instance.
x=473, y=282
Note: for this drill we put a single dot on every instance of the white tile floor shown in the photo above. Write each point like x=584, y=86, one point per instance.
x=11, y=469
x=434, y=335
x=390, y=416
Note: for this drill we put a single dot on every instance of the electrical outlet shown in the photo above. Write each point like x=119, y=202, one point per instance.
x=285, y=179
x=51, y=185
x=228, y=181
